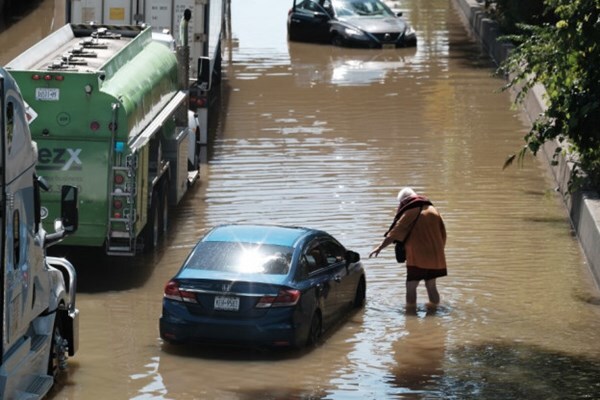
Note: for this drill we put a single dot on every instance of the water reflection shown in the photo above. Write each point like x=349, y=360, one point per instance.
x=314, y=64
x=420, y=352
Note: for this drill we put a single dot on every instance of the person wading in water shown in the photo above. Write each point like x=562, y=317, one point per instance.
x=421, y=228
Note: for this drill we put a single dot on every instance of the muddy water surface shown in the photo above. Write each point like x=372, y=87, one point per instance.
x=324, y=137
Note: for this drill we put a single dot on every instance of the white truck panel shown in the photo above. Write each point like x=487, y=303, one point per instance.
x=117, y=12
x=84, y=11
x=158, y=14
x=164, y=15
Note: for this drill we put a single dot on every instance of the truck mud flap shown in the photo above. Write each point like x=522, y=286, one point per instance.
x=71, y=331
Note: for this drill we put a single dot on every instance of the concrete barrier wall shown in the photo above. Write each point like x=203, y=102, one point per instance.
x=583, y=207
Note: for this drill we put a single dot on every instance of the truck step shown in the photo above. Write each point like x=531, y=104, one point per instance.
x=38, y=388
x=192, y=177
x=119, y=251
x=120, y=235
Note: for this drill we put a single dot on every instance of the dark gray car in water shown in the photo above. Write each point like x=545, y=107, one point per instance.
x=353, y=23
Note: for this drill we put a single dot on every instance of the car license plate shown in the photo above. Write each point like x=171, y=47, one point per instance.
x=388, y=46
x=227, y=303
x=47, y=94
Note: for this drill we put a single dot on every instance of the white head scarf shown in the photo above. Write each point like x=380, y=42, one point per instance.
x=405, y=193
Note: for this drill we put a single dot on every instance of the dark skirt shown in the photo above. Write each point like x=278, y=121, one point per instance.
x=419, y=274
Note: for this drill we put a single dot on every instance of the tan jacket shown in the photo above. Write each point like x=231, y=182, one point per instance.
x=425, y=245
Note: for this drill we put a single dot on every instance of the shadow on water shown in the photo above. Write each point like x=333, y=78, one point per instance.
x=501, y=371
x=97, y=272
x=233, y=353
x=282, y=394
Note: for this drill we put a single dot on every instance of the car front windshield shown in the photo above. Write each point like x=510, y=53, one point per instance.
x=241, y=258
x=361, y=8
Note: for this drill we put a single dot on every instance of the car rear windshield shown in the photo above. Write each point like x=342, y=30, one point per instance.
x=245, y=258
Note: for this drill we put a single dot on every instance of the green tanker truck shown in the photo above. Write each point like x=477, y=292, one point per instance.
x=112, y=119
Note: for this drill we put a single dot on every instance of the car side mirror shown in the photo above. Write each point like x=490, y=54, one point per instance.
x=352, y=257
x=69, y=216
x=399, y=14
x=321, y=16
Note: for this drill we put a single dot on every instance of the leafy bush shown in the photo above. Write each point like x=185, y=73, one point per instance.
x=564, y=57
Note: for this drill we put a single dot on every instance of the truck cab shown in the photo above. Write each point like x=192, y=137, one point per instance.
x=37, y=304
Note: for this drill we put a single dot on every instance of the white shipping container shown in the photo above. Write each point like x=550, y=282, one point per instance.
x=160, y=15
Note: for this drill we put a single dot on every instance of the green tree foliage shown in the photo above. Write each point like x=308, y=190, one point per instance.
x=510, y=13
x=564, y=57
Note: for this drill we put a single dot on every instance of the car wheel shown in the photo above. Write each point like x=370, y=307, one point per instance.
x=337, y=40
x=316, y=329
x=361, y=294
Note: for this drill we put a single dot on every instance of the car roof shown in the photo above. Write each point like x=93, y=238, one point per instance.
x=257, y=233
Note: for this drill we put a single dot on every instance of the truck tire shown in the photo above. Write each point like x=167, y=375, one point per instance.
x=164, y=208
x=152, y=228
x=58, y=351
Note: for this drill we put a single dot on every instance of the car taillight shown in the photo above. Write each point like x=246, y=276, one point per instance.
x=284, y=298
x=174, y=292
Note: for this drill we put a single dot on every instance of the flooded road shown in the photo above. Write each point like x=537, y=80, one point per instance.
x=324, y=137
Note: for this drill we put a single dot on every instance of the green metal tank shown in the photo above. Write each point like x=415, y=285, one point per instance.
x=104, y=103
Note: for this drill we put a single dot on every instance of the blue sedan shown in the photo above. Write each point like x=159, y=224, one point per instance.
x=261, y=285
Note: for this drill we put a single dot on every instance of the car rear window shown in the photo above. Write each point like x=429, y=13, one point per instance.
x=245, y=258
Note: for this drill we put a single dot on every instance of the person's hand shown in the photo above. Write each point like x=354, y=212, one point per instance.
x=374, y=252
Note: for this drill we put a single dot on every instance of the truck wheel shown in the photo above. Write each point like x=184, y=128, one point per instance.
x=152, y=229
x=164, y=209
x=57, y=360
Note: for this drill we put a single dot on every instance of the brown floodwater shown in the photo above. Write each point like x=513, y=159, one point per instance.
x=324, y=137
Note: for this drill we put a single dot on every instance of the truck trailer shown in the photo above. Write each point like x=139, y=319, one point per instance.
x=39, y=316
x=112, y=120
x=205, y=32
